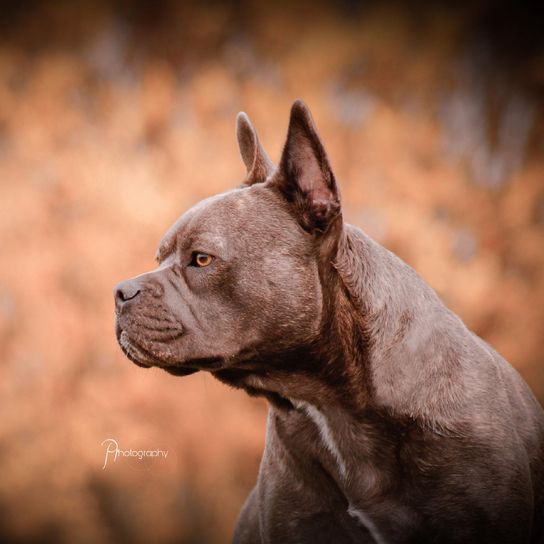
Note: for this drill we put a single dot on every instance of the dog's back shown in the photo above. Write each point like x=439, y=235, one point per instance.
x=527, y=427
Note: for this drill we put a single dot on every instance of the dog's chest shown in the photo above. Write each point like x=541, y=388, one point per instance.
x=328, y=437
x=308, y=459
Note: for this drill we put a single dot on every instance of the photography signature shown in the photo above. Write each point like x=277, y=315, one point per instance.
x=113, y=450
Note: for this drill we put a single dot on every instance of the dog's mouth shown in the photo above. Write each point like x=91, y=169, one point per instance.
x=144, y=358
x=136, y=353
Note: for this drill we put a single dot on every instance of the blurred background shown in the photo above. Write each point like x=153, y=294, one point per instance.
x=117, y=116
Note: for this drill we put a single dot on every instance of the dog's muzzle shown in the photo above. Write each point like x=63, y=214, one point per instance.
x=146, y=328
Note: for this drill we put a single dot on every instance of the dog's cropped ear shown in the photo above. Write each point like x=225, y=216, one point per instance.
x=304, y=175
x=258, y=165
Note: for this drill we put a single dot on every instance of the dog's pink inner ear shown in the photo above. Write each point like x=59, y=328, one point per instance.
x=305, y=175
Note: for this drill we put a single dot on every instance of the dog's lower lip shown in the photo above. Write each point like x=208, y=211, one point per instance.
x=210, y=363
x=129, y=346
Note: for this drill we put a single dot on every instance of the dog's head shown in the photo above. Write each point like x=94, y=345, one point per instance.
x=240, y=274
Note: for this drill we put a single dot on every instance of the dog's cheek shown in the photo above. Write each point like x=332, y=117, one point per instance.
x=282, y=305
x=217, y=326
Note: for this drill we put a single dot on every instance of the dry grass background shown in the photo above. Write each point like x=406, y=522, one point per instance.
x=114, y=118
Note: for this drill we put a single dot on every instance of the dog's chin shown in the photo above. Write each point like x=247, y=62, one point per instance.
x=210, y=364
x=179, y=370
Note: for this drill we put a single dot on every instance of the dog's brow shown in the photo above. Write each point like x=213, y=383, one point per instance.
x=166, y=247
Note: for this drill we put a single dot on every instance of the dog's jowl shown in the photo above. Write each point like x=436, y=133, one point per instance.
x=389, y=421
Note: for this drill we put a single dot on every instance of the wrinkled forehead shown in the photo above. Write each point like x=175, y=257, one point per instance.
x=250, y=213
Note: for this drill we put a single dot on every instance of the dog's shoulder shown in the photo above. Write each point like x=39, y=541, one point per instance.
x=425, y=362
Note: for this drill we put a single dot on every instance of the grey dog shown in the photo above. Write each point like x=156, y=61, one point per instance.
x=389, y=421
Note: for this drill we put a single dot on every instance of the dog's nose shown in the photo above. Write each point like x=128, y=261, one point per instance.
x=125, y=291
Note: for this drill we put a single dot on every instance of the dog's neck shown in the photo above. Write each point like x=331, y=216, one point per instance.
x=417, y=348
x=378, y=314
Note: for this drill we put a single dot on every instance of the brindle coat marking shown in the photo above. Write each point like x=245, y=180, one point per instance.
x=389, y=422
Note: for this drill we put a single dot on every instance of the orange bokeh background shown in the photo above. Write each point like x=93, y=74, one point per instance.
x=116, y=117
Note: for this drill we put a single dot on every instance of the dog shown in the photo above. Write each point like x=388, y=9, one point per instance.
x=389, y=421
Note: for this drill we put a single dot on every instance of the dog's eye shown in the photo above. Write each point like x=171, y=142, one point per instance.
x=201, y=259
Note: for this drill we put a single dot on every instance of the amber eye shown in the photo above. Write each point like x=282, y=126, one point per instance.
x=201, y=259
